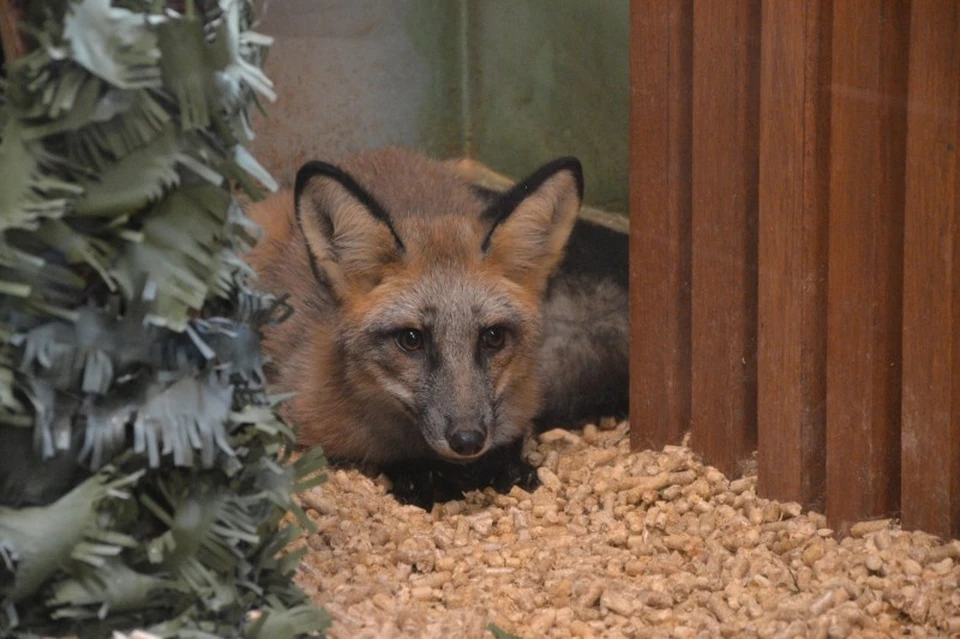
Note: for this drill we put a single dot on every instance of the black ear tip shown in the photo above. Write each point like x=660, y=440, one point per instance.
x=316, y=168
x=573, y=165
x=309, y=171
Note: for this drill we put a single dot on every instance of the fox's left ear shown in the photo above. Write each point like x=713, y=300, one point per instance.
x=530, y=223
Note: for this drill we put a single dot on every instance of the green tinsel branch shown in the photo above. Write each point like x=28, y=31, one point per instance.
x=144, y=474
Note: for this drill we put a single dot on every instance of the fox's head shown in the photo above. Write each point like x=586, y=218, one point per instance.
x=438, y=289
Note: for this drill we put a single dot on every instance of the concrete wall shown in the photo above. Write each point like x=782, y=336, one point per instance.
x=550, y=78
x=513, y=83
x=353, y=75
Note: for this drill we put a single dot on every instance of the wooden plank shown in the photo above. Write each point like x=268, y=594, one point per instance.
x=794, y=185
x=726, y=65
x=868, y=146
x=14, y=45
x=930, y=440
x=660, y=75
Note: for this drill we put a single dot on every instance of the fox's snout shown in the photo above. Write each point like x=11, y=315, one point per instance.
x=467, y=441
x=459, y=430
x=458, y=420
x=467, y=438
x=459, y=439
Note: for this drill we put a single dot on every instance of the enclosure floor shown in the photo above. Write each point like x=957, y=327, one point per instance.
x=617, y=544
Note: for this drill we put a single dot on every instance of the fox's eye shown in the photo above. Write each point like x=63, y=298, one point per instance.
x=410, y=339
x=493, y=338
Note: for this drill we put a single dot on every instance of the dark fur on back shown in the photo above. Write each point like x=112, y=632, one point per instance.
x=586, y=326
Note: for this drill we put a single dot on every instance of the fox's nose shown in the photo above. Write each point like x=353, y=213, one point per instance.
x=466, y=442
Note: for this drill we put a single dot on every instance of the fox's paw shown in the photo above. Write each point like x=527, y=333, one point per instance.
x=426, y=482
x=516, y=472
x=412, y=486
x=512, y=470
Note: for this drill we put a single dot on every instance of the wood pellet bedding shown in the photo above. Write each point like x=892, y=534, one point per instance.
x=617, y=544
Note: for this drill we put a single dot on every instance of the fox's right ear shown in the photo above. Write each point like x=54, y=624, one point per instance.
x=349, y=236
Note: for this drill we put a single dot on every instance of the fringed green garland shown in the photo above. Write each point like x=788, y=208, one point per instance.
x=144, y=474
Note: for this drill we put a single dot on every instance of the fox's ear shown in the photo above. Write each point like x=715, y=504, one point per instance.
x=530, y=223
x=349, y=236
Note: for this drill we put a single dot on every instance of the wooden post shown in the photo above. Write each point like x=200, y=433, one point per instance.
x=661, y=47
x=726, y=85
x=794, y=185
x=930, y=482
x=13, y=43
x=867, y=148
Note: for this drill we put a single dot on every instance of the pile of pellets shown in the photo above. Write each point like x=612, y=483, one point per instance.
x=617, y=544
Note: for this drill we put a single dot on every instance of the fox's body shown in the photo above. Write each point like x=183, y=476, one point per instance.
x=418, y=331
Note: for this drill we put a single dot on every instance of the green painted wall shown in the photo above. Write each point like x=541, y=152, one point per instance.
x=549, y=78
x=513, y=83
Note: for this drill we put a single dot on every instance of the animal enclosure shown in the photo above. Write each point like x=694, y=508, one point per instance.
x=791, y=235
x=793, y=189
x=793, y=195
x=795, y=256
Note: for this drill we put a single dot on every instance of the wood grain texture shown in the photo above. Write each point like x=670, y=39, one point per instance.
x=660, y=209
x=930, y=437
x=868, y=145
x=726, y=65
x=794, y=186
x=10, y=35
x=795, y=229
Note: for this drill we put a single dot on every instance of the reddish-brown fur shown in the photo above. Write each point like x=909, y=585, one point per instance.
x=341, y=405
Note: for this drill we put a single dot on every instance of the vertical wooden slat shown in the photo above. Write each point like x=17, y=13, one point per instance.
x=726, y=65
x=868, y=139
x=856, y=309
x=660, y=71
x=931, y=305
x=794, y=185
x=14, y=45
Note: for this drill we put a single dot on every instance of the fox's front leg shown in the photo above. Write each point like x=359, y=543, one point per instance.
x=514, y=471
x=502, y=468
x=412, y=484
x=423, y=483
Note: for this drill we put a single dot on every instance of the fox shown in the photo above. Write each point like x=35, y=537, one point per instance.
x=434, y=328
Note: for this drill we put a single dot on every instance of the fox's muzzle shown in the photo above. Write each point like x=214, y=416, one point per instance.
x=463, y=438
x=467, y=443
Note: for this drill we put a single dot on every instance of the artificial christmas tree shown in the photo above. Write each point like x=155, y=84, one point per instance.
x=144, y=475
